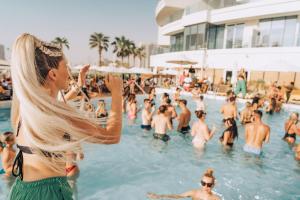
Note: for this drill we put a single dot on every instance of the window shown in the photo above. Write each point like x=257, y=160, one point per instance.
x=265, y=28
x=229, y=39
x=201, y=36
x=235, y=36
x=215, y=36
x=187, y=37
x=193, y=43
x=220, y=36
x=238, y=38
x=212, y=32
x=177, y=42
x=277, y=32
x=289, y=32
x=194, y=36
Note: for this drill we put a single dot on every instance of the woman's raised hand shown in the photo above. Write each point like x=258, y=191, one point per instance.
x=82, y=74
x=114, y=84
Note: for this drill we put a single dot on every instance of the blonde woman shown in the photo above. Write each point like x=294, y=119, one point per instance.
x=101, y=110
x=46, y=128
x=291, y=128
x=205, y=192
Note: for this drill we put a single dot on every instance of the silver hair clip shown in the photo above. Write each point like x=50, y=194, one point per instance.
x=43, y=47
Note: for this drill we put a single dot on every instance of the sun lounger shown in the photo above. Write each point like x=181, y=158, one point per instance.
x=295, y=97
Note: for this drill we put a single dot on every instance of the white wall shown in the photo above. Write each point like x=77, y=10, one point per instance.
x=162, y=39
x=172, y=28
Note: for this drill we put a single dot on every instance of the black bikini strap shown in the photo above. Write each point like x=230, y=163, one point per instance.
x=17, y=169
x=19, y=126
x=287, y=131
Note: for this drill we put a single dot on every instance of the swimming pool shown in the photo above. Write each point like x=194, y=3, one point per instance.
x=139, y=164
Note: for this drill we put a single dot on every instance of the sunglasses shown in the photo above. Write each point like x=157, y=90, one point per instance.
x=207, y=184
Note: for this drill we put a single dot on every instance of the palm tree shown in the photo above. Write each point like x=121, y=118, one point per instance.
x=120, y=47
x=100, y=41
x=130, y=46
x=61, y=42
x=141, y=54
x=135, y=54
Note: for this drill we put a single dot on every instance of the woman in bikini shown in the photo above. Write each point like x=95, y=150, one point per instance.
x=43, y=124
x=131, y=107
x=101, y=112
x=291, y=128
x=230, y=133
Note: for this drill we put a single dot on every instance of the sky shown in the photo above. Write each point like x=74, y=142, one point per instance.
x=77, y=20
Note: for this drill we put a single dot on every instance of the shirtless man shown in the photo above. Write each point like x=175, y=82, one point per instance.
x=203, y=193
x=8, y=153
x=184, y=117
x=161, y=123
x=177, y=96
x=246, y=114
x=147, y=114
x=229, y=110
x=255, y=134
x=171, y=111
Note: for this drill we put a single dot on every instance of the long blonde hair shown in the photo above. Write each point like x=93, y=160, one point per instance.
x=45, y=120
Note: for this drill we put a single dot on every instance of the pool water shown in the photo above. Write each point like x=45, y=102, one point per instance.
x=140, y=164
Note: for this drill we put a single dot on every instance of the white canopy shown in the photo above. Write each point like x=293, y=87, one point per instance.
x=113, y=69
x=169, y=72
x=138, y=70
x=78, y=67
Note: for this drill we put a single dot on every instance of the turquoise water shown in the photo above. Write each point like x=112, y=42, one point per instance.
x=139, y=164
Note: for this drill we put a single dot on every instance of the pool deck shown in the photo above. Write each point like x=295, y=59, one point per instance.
x=209, y=95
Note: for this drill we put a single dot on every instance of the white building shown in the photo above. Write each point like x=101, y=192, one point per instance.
x=223, y=36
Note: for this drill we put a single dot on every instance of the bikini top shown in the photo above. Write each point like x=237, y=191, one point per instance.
x=287, y=131
x=101, y=115
x=17, y=169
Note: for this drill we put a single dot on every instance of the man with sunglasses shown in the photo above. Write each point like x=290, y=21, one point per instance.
x=256, y=134
x=204, y=193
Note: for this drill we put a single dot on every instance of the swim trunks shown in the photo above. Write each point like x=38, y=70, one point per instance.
x=185, y=130
x=146, y=127
x=252, y=150
x=163, y=137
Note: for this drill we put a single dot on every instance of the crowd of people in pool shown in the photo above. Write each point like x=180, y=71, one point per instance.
x=48, y=131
